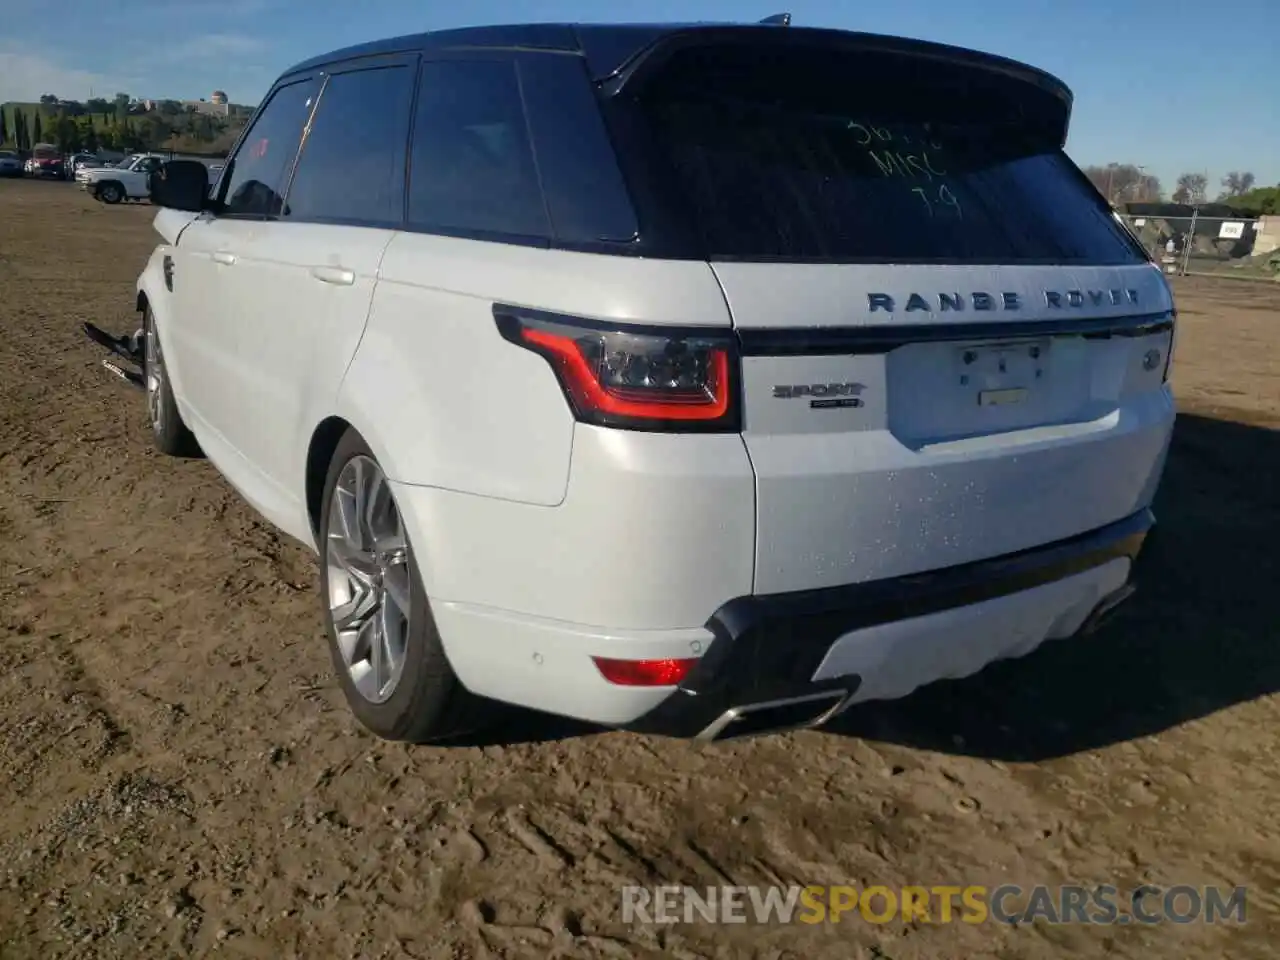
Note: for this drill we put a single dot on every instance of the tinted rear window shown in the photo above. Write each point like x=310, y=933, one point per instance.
x=818, y=155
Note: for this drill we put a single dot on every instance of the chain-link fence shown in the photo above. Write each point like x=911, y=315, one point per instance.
x=1187, y=240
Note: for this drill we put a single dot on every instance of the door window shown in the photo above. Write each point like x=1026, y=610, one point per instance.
x=260, y=169
x=352, y=167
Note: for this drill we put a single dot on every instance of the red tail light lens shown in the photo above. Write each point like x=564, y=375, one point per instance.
x=640, y=378
x=643, y=673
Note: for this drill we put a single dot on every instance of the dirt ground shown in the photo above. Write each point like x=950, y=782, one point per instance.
x=179, y=776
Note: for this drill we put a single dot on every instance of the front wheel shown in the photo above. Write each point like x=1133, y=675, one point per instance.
x=170, y=434
x=110, y=193
x=382, y=637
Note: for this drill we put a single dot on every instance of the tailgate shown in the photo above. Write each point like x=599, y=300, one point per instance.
x=951, y=350
x=885, y=445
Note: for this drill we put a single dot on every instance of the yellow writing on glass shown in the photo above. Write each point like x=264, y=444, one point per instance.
x=901, y=157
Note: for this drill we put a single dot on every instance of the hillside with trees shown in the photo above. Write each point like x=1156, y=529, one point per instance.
x=1127, y=183
x=121, y=124
x=1120, y=182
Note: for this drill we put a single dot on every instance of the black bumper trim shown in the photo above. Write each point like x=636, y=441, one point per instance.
x=768, y=647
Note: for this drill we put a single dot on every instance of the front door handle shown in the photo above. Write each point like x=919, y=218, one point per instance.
x=224, y=258
x=339, y=275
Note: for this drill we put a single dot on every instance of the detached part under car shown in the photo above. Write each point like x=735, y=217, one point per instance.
x=702, y=380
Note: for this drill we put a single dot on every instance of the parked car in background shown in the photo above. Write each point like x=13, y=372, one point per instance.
x=128, y=180
x=47, y=161
x=78, y=161
x=10, y=164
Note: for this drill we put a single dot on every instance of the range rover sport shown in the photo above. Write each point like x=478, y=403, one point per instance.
x=702, y=380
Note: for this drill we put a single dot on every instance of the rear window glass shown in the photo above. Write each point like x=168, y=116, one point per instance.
x=817, y=155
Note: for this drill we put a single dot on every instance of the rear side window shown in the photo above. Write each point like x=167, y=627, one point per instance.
x=804, y=154
x=352, y=165
x=585, y=193
x=262, y=164
x=472, y=171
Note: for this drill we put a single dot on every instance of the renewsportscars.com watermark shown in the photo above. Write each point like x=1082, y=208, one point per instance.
x=1009, y=903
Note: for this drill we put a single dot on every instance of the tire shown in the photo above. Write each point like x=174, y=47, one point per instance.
x=424, y=701
x=169, y=433
x=110, y=192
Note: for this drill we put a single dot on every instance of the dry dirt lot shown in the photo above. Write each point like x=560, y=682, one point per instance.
x=178, y=776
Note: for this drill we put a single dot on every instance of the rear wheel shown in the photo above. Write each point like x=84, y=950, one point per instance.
x=382, y=637
x=170, y=433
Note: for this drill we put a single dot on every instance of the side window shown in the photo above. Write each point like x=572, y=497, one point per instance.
x=584, y=189
x=352, y=165
x=149, y=164
x=472, y=169
x=262, y=164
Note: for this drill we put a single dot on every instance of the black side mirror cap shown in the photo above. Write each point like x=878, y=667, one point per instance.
x=180, y=185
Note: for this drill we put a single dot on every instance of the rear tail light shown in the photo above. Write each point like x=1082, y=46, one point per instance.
x=635, y=377
x=643, y=673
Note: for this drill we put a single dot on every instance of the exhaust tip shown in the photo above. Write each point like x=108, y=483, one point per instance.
x=776, y=716
x=1105, y=608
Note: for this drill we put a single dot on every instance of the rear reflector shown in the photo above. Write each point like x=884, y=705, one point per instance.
x=643, y=673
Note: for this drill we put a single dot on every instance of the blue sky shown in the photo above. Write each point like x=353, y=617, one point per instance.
x=1153, y=85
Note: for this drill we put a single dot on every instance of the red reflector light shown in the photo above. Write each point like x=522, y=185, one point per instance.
x=624, y=375
x=644, y=673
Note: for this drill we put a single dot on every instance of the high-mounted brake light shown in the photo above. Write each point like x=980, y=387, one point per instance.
x=639, y=378
x=643, y=673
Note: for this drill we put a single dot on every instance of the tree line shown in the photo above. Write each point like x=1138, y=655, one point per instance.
x=118, y=124
x=1127, y=182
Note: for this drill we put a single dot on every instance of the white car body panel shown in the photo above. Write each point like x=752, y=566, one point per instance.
x=844, y=493
x=433, y=365
x=899, y=657
x=292, y=303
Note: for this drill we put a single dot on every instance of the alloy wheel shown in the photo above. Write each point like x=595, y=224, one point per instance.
x=368, y=572
x=154, y=367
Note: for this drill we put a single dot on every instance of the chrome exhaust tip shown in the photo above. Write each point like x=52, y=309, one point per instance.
x=776, y=716
x=1105, y=608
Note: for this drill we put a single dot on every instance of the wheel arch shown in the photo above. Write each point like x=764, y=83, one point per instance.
x=320, y=450
x=152, y=294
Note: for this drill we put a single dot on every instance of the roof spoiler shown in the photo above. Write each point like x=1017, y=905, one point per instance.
x=650, y=59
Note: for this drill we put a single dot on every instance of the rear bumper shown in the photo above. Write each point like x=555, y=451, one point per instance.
x=837, y=646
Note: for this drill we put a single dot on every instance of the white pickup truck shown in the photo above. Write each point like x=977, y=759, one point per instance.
x=130, y=178
x=127, y=180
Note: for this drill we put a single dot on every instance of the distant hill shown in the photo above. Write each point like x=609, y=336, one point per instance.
x=113, y=125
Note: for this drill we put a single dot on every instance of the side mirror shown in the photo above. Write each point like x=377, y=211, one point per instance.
x=180, y=185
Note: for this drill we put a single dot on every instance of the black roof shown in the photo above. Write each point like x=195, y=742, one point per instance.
x=607, y=47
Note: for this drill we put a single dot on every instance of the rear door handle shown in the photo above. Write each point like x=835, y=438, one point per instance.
x=339, y=275
x=223, y=257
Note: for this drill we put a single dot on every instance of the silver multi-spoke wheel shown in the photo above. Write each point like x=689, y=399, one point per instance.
x=154, y=366
x=369, y=579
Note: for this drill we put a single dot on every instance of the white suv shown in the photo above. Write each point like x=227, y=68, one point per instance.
x=698, y=380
